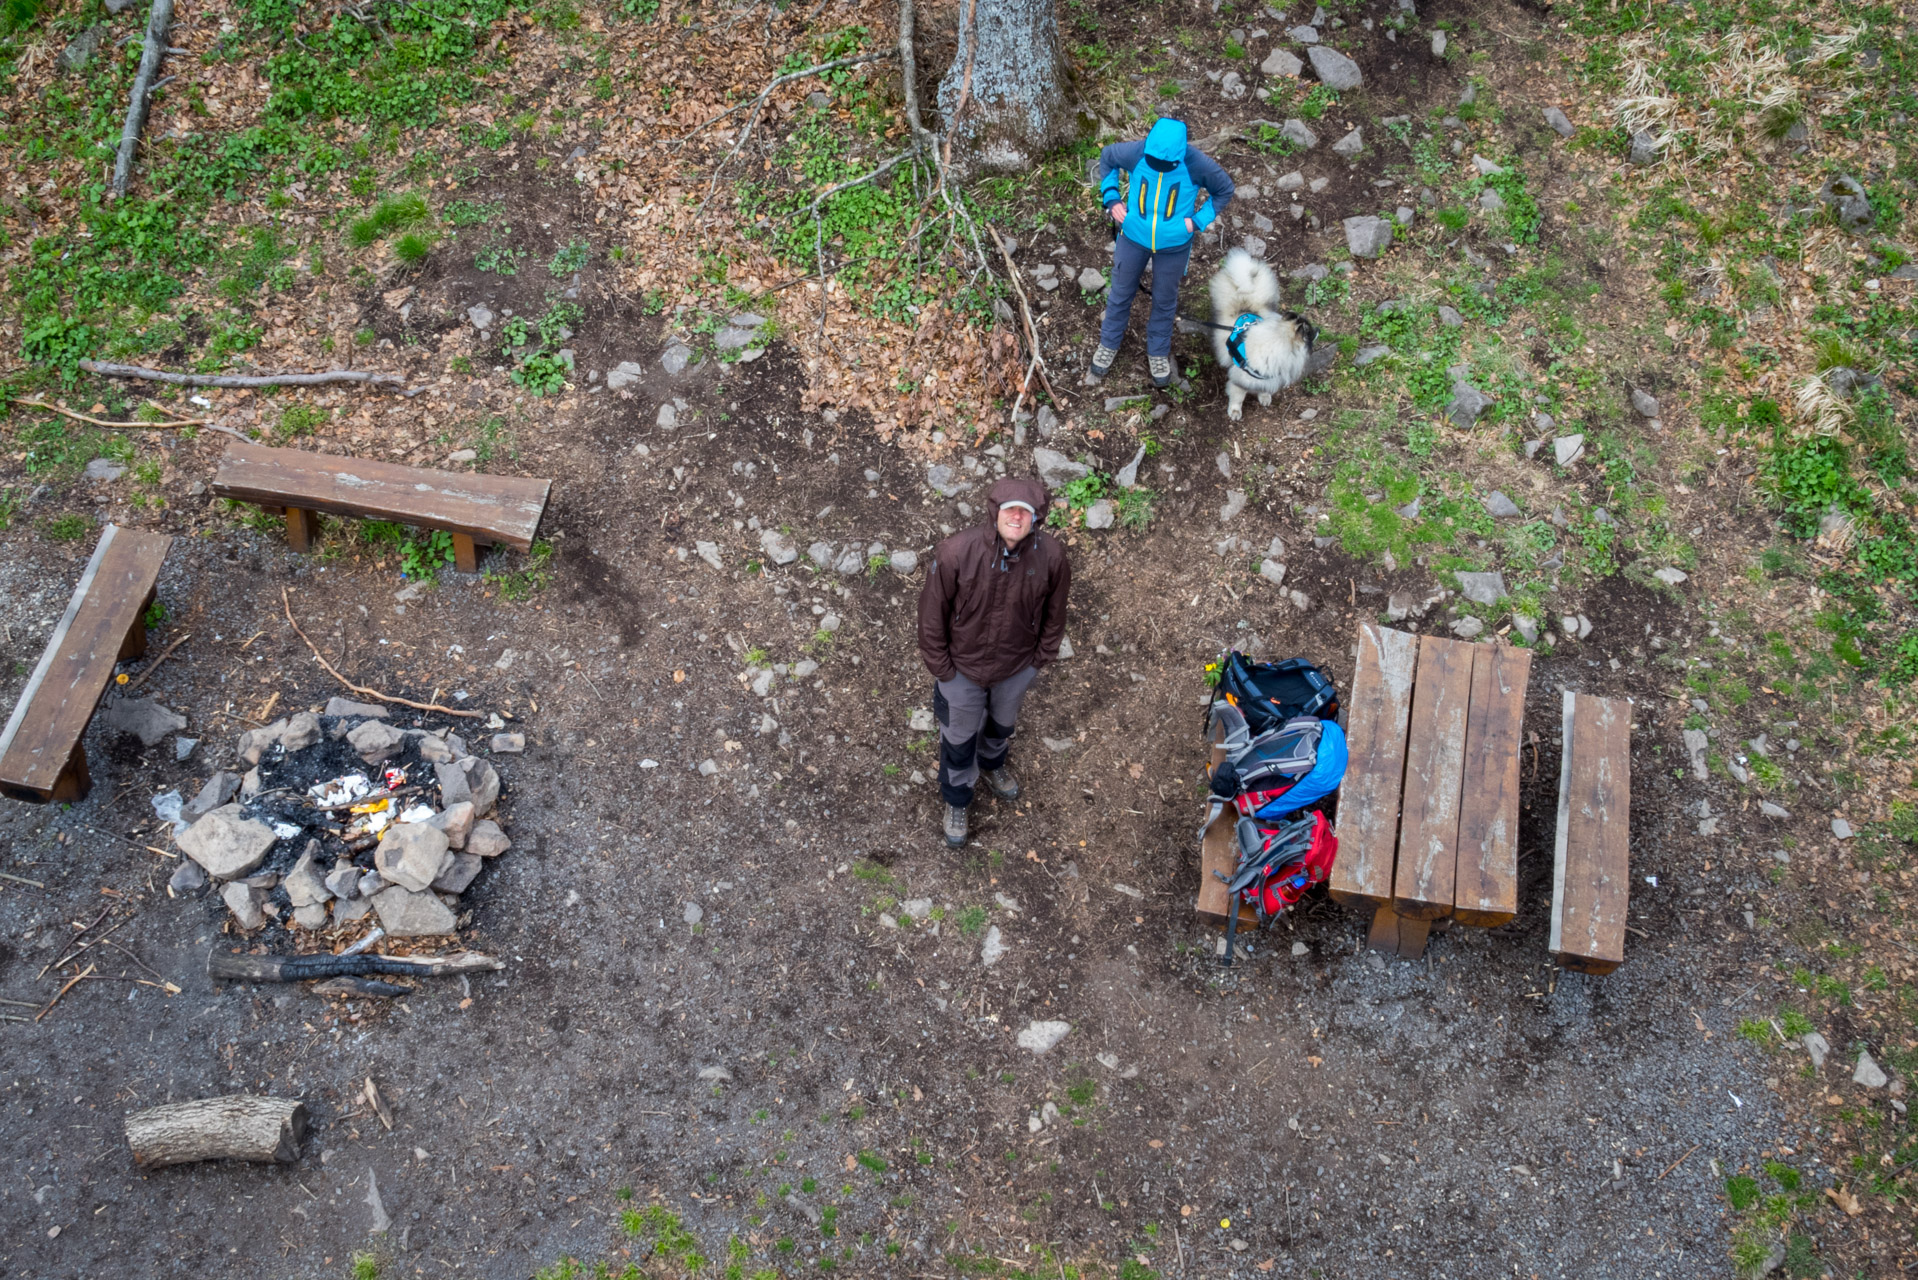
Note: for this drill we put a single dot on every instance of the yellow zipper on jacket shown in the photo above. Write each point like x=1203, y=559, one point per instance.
x=1158, y=189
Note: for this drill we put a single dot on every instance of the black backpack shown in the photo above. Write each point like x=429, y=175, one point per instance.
x=1268, y=694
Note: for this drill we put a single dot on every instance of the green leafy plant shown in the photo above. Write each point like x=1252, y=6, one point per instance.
x=395, y=213
x=500, y=259
x=570, y=258
x=425, y=553
x=67, y=528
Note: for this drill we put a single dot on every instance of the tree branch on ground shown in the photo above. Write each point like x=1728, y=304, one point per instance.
x=150, y=56
x=106, y=370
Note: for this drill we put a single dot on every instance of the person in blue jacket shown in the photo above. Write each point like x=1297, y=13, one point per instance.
x=1151, y=190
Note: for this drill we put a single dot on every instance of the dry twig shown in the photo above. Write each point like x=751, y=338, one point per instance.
x=106, y=370
x=362, y=690
x=140, y=679
x=117, y=426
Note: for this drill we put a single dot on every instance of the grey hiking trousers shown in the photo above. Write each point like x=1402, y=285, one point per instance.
x=975, y=726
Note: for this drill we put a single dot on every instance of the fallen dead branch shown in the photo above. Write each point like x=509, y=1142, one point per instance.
x=106, y=370
x=361, y=689
x=157, y=22
x=1025, y=310
x=244, y=968
x=72, y=982
x=238, y=1127
x=140, y=679
x=116, y=426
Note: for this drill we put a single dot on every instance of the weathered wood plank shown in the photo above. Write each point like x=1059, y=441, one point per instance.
x=1591, y=872
x=1376, y=713
x=1397, y=935
x=1486, y=891
x=489, y=509
x=40, y=754
x=1219, y=852
x=1434, y=779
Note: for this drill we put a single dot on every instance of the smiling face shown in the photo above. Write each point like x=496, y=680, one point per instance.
x=1014, y=524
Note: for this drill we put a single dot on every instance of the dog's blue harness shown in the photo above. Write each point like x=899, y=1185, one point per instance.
x=1235, y=342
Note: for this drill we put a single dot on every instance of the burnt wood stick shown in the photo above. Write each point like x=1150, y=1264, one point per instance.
x=237, y=968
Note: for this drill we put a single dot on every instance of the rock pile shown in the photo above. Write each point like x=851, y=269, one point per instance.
x=342, y=814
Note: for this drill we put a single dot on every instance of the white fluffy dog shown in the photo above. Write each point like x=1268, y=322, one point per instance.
x=1267, y=353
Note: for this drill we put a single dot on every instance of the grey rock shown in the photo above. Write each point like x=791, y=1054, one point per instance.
x=406, y=914
x=1869, y=1073
x=1846, y=199
x=300, y=732
x=944, y=481
x=1224, y=463
x=1304, y=34
x=1293, y=181
x=1335, y=69
x=1468, y=402
x=183, y=747
x=348, y=707
x=82, y=49
x=1401, y=605
x=1410, y=511
x=1273, y=571
x=1046, y=423
x=1438, y=44
x=459, y=873
x=693, y=913
x=1368, y=354
x=1467, y=627
x=627, y=373
x=673, y=360
x=1310, y=272
x=709, y=552
x=1645, y=402
x=412, y=855
x=1696, y=745
x=1670, y=577
x=1526, y=626
x=1281, y=63
x=1351, y=144
x=143, y=718
x=1482, y=588
x=1300, y=601
x=470, y=779
x=245, y=902
x=1404, y=215
x=227, y=842
x=1056, y=469
x=1644, y=149
x=187, y=878
x=994, y=948
x=850, y=561
x=104, y=469
x=250, y=784
x=1450, y=318
x=1501, y=507
x=1301, y=135
x=1771, y=810
x=1560, y=125
x=508, y=744
x=1324, y=356
x=1091, y=280
x=1232, y=86
x=433, y=749
x=350, y=910
x=376, y=740
x=1234, y=503
x=1255, y=245
x=486, y=840
x=1487, y=168
x=904, y=562
x=1490, y=201
x=481, y=316
x=219, y=789
x=1818, y=1047
x=821, y=554
x=303, y=884
x=456, y=820
x=1128, y=475
x=1367, y=236
x=1568, y=449
x=1100, y=515
x=1040, y=1036
x=732, y=338
x=343, y=881
x=1841, y=829
x=312, y=916
x=779, y=548
x=371, y=884
x=1059, y=744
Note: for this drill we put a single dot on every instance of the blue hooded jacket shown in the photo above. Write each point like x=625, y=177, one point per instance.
x=1160, y=179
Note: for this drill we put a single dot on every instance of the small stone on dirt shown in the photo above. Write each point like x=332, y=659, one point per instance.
x=143, y=718
x=709, y=552
x=486, y=840
x=1234, y=503
x=1645, y=402
x=1467, y=627
x=1501, y=507
x=1272, y=571
x=1841, y=829
x=1351, y=144
x=1560, y=125
x=104, y=469
x=376, y=740
x=673, y=360
x=1367, y=237
x=412, y=855
x=1056, y=469
x=1041, y=1036
x=1299, y=133
x=508, y=744
x=1281, y=63
x=245, y=902
x=303, y=884
x=348, y=707
x=1482, y=588
x=1869, y=1073
x=469, y=779
x=693, y=913
x=1059, y=744
x=187, y=878
x=1818, y=1047
x=1644, y=149
x=456, y=820
x=994, y=948
x=779, y=547
x=1568, y=449
x=1366, y=355
x=626, y=373
x=1100, y=514
x=1337, y=71
x=1696, y=744
x=459, y=873
x=1671, y=577
x=1771, y=810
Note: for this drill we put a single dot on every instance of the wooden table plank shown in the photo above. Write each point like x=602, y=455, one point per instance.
x=1375, y=719
x=1219, y=852
x=41, y=736
x=1591, y=873
x=489, y=509
x=1434, y=778
x=1486, y=890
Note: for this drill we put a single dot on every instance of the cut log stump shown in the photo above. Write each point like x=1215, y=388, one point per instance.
x=237, y=1127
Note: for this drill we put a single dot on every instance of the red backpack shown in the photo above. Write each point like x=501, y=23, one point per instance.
x=1277, y=864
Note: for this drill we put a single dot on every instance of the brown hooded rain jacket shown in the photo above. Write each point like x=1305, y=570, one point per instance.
x=990, y=612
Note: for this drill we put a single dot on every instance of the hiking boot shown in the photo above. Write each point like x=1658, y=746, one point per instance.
x=955, y=826
x=1002, y=782
x=1102, y=362
x=1161, y=367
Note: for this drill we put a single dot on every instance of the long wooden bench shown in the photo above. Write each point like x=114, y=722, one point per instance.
x=477, y=510
x=41, y=756
x=1428, y=814
x=1591, y=868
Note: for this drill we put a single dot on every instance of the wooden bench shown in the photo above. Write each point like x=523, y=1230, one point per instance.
x=41, y=757
x=476, y=509
x=1591, y=868
x=1428, y=813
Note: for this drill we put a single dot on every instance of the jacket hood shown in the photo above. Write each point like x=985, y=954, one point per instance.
x=1167, y=140
x=1028, y=489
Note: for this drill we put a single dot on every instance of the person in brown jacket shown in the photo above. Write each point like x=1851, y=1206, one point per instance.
x=991, y=616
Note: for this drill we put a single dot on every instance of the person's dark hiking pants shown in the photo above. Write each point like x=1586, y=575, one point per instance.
x=1129, y=261
x=975, y=727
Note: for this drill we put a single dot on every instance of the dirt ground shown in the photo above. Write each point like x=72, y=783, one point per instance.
x=800, y=1066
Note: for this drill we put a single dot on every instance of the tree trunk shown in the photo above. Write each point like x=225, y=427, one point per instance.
x=239, y=1127
x=1016, y=105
